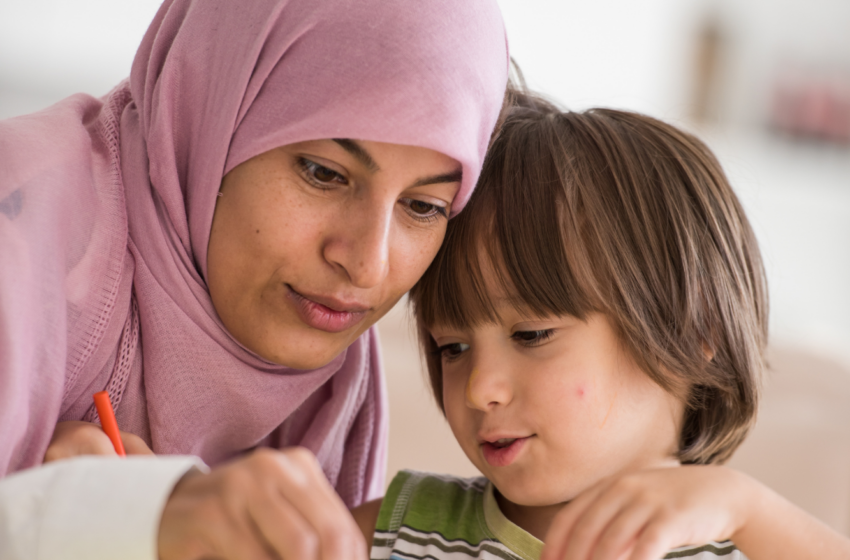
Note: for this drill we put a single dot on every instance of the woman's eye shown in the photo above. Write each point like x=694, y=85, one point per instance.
x=452, y=351
x=532, y=338
x=319, y=173
x=421, y=207
x=424, y=211
x=324, y=174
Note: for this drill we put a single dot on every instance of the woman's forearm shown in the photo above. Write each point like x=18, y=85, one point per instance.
x=92, y=508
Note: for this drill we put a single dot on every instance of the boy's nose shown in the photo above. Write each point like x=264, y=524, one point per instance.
x=487, y=388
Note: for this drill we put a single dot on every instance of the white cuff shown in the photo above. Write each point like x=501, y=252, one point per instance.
x=92, y=508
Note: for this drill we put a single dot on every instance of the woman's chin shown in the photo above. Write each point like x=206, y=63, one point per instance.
x=310, y=350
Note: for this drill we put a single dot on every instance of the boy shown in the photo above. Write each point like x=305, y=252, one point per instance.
x=594, y=328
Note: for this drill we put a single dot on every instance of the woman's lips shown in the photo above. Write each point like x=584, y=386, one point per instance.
x=324, y=318
x=502, y=456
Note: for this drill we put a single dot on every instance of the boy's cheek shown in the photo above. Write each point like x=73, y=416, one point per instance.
x=580, y=391
x=454, y=404
x=585, y=401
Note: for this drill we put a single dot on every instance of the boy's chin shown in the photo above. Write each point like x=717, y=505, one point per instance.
x=532, y=493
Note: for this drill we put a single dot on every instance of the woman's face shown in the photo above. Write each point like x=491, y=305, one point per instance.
x=313, y=242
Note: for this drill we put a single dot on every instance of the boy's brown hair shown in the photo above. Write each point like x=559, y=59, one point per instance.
x=615, y=212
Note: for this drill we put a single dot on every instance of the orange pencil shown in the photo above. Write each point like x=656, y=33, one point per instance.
x=107, y=421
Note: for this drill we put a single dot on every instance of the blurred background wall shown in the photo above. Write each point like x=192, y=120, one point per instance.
x=765, y=82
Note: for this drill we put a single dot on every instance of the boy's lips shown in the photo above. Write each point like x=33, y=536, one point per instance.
x=501, y=452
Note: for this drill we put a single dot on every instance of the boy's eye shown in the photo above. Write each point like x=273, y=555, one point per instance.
x=453, y=350
x=532, y=338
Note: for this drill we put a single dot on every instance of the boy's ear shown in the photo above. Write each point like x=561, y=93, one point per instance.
x=707, y=351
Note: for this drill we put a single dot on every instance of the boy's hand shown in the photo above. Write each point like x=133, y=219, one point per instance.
x=71, y=439
x=270, y=505
x=642, y=515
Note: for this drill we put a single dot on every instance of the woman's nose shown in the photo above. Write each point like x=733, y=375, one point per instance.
x=488, y=386
x=361, y=243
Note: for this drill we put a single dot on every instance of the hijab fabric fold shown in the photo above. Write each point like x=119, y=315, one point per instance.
x=106, y=207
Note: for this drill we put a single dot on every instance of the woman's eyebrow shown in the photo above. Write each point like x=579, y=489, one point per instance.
x=362, y=155
x=359, y=152
x=454, y=177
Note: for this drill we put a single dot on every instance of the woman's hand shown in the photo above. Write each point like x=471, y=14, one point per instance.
x=269, y=505
x=641, y=516
x=71, y=439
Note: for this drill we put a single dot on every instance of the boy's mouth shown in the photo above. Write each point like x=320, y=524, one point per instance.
x=503, y=451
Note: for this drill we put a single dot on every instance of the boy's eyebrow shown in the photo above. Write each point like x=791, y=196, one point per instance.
x=359, y=152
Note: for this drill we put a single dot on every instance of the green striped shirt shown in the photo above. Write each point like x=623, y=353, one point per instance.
x=447, y=518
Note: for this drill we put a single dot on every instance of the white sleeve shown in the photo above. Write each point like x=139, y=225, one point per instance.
x=93, y=508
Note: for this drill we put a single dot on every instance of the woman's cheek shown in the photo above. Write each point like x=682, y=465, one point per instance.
x=414, y=251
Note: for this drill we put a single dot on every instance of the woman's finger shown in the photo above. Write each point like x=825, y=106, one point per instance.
x=310, y=493
x=268, y=505
x=206, y=517
x=246, y=542
x=134, y=445
x=284, y=528
x=75, y=438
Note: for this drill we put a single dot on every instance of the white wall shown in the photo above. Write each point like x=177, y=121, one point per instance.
x=50, y=49
x=619, y=53
x=765, y=36
x=616, y=53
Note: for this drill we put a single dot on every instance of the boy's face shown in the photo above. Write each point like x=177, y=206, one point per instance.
x=546, y=407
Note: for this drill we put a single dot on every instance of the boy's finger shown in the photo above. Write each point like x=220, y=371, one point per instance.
x=558, y=535
x=651, y=544
x=622, y=532
x=560, y=530
x=594, y=520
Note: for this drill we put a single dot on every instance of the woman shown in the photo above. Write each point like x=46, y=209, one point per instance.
x=211, y=243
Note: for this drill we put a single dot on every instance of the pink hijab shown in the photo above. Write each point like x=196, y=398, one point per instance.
x=106, y=206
